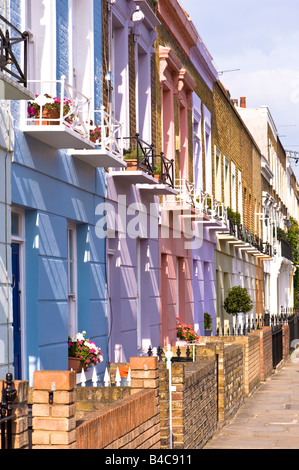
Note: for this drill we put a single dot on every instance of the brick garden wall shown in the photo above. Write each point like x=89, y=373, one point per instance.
x=194, y=404
x=132, y=423
x=210, y=389
x=285, y=341
x=266, y=361
x=229, y=361
x=251, y=358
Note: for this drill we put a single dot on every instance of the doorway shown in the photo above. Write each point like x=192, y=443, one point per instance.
x=16, y=307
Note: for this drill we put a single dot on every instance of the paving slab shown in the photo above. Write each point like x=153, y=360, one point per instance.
x=269, y=419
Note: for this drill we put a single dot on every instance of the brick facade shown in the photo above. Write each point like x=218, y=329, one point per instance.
x=235, y=142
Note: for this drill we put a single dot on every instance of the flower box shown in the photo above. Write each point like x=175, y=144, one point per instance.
x=132, y=165
x=84, y=350
x=76, y=364
x=47, y=114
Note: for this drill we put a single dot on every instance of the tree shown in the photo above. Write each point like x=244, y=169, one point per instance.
x=237, y=301
x=293, y=239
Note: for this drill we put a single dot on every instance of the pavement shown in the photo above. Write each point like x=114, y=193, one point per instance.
x=269, y=418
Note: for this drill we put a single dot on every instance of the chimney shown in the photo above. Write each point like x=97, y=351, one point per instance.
x=235, y=101
x=243, y=102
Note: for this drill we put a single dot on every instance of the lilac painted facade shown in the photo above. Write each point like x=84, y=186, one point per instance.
x=132, y=242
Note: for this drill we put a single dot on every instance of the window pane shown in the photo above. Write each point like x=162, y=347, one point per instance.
x=15, y=224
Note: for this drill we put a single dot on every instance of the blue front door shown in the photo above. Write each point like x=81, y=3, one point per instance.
x=15, y=249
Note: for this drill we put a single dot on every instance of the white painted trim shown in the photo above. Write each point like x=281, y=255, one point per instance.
x=72, y=296
x=139, y=293
x=21, y=240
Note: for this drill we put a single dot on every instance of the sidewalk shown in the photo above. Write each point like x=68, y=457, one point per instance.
x=269, y=419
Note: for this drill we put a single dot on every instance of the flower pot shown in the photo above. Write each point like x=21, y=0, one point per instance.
x=132, y=165
x=76, y=364
x=208, y=332
x=48, y=114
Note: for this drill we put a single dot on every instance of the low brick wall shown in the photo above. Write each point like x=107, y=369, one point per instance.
x=91, y=399
x=194, y=404
x=251, y=357
x=285, y=341
x=229, y=360
x=266, y=360
x=132, y=423
x=53, y=410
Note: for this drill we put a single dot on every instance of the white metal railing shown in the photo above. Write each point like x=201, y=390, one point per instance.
x=109, y=136
x=204, y=202
x=200, y=200
x=74, y=106
x=82, y=380
x=185, y=190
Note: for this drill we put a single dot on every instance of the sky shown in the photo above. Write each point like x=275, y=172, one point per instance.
x=261, y=39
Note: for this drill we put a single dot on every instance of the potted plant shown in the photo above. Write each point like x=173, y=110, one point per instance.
x=82, y=353
x=238, y=301
x=186, y=332
x=50, y=109
x=95, y=134
x=208, y=324
x=234, y=216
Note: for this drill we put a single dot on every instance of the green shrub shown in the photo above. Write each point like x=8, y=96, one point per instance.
x=237, y=301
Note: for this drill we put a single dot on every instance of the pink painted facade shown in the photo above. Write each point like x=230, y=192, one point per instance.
x=187, y=276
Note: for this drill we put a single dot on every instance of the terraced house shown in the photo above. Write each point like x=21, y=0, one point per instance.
x=134, y=190
x=58, y=262
x=187, y=75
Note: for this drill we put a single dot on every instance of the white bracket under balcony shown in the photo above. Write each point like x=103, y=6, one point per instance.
x=58, y=137
x=61, y=121
x=227, y=237
x=99, y=158
x=134, y=177
x=12, y=90
x=157, y=189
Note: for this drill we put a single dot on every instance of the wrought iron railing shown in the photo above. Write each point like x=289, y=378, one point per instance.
x=9, y=394
x=243, y=234
x=8, y=51
x=286, y=250
x=159, y=352
x=73, y=107
x=147, y=160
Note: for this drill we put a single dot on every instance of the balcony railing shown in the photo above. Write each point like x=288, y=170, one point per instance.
x=60, y=121
x=210, y=206
x=286, y=250
x=243, y=234
x=108, y=133
x=141, y=155
x=201, y=202
x=186, y=193
x=8, y=60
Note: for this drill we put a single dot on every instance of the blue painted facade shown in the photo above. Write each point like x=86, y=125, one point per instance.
x=53, y=189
